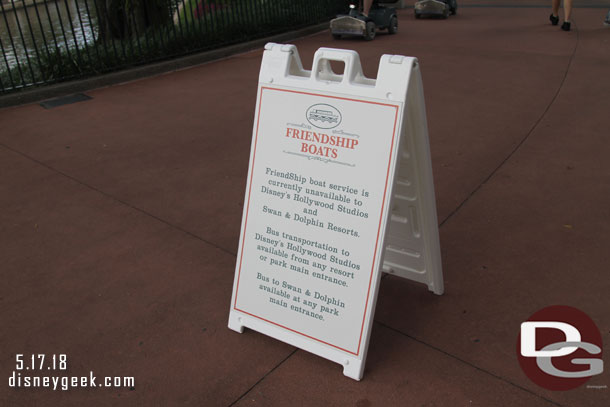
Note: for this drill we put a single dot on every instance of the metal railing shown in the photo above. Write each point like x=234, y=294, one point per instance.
x=48, y=41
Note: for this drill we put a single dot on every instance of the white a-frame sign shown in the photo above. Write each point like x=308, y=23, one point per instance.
x=339, y=189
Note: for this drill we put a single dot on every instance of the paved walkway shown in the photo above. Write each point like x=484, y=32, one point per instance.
x=120, y=218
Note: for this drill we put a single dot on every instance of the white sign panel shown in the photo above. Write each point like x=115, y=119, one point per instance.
x=317, y=206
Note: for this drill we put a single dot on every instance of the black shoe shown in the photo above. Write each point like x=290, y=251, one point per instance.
x=565, y=26
x=554, y=19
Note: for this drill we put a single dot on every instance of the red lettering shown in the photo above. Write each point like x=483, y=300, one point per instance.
x=318, y=150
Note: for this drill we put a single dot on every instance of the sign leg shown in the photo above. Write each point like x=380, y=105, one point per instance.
x=353, y=368
x=235, y=323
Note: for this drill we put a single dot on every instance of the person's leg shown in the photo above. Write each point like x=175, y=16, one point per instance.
x=554, y=17
x=366, y=7
x=567, y=10
x=556, y=4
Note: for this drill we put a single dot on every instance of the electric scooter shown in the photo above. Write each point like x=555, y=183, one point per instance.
x=435, y=8
x=357, y=24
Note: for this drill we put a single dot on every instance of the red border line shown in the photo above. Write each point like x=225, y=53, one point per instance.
x=295, y=331
x=329, y=96
x=263, y=88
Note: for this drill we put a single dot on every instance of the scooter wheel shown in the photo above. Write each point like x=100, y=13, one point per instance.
x=369, y=34
x=393, y=27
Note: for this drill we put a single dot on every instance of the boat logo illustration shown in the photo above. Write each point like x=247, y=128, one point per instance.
x=323, y=116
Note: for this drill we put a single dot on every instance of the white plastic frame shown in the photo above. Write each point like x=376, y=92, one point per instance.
x=409, y=245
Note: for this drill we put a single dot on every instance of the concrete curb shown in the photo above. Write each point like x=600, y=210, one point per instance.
x=131, y=74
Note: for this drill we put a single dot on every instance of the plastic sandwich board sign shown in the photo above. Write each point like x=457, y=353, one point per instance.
x=339, y=190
